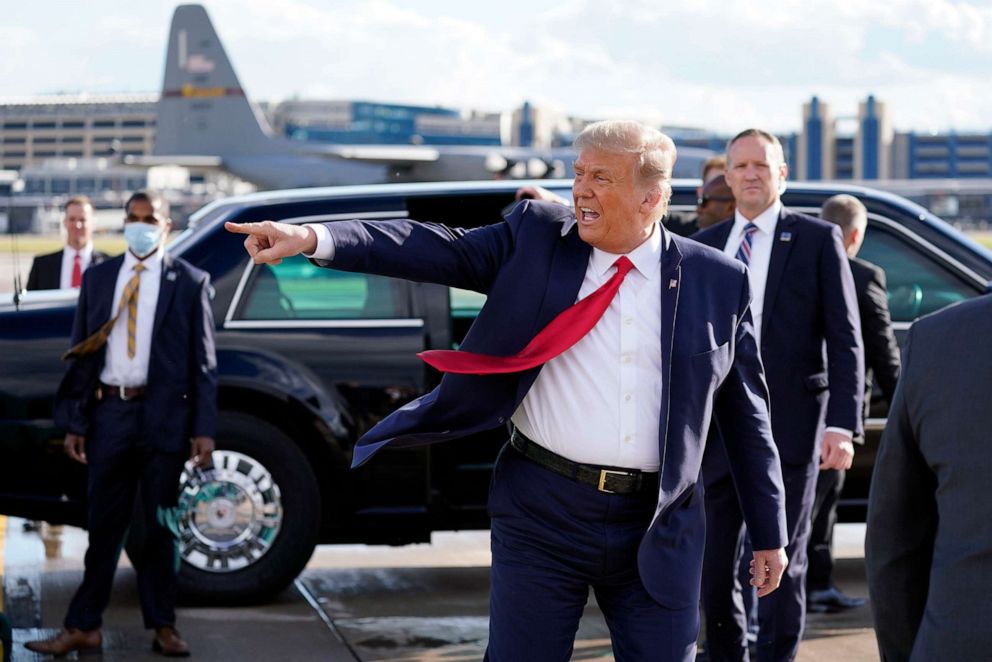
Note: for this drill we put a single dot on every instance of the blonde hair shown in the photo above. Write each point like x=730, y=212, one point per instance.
x=655, y=151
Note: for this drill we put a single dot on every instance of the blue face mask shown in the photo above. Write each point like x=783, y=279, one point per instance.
x=142, y=238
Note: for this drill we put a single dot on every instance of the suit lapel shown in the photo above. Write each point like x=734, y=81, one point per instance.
x=718, y=238
x=671, y=284
x=104, y=307
x=568, y=269
x=776, y=266
x=166, y=290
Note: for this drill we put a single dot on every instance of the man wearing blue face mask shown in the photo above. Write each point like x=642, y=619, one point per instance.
x=139, y=398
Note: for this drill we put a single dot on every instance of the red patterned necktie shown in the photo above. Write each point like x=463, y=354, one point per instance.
x=561, y=333
x=77, y=272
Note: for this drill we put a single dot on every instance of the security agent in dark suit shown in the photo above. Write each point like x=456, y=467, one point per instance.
x=881, y=367
x=137, y=401
x=805, y=311
x=929, y=536
x=64, y=269
x=599, y=483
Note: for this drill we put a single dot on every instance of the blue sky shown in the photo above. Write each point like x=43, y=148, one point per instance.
x=720, y=65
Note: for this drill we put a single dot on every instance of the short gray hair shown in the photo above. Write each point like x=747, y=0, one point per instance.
x=655, y=151
x=846, y=211
x=758, y=133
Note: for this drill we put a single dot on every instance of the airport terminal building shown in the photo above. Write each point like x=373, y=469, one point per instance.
x=70, y=144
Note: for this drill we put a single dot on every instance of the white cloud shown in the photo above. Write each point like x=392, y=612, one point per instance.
x=706, y=63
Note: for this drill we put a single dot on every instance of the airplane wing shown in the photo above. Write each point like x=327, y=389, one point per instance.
x=183, y=160
x=381, y=154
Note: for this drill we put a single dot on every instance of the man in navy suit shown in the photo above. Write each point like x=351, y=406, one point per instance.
x=598, y=485
x=881, y=367
x=64, y=269
x=806, y=318
x=138, y=400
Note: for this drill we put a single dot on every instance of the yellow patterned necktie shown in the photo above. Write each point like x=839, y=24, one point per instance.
x=129, y=299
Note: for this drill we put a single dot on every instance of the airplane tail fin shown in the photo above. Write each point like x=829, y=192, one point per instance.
x=203, y=109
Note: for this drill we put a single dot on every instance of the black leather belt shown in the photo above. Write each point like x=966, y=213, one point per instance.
x=107, y=391
x=612, y=480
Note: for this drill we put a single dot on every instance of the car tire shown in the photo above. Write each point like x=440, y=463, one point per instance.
x=249, y=524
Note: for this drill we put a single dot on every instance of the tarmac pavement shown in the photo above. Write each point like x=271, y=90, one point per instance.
x=425, y=602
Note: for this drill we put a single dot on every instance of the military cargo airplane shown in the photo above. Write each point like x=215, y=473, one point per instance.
x=206, y=120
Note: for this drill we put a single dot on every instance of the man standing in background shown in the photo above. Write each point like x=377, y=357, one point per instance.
x=64, y=269
x=882, y=368
x=806, y=319
x=139, y=399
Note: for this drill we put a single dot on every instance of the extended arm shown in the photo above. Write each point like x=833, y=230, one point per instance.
x=427, y=252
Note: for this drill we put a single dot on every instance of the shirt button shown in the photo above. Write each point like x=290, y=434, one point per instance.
x=628, y=320
x=627, y=358
x=627, y=397
x=628, y=438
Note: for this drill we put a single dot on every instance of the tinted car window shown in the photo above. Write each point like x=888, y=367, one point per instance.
x=466, y=304
x=917, y=283
x=296, y=289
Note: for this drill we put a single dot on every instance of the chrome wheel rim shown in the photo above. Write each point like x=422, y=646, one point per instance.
x=229, y=514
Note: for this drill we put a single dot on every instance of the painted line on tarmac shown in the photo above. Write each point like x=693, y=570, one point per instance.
x=315, y=605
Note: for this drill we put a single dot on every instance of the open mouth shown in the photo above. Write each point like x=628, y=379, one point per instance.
x=587, y=215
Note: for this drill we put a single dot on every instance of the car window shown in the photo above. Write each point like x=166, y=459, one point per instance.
x=917, y=283
x=296, y=289
x=466, y=304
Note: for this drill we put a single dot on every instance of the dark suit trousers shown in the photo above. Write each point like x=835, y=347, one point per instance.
x=119, y=464
x=829, y=484
x=553, y=539
x=782, y=614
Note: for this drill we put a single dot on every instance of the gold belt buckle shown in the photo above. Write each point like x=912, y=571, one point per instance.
x=602, y=479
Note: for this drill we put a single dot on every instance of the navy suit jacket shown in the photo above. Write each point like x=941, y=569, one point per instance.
x=180, y=399
x=46, y=270
x=531, y=272
x=810, y=334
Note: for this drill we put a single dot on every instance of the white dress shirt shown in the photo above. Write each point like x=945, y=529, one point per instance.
x=599, y=402
x=118, y=368
x=68, y=257
x=761, y=255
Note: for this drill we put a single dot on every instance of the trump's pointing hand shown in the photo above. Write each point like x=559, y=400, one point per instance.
x=269, y=242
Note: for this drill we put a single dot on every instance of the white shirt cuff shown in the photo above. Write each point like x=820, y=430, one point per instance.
x=325, y=243
x=844, y=431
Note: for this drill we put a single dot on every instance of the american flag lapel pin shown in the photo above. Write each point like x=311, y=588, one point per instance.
x=672, y=284
x=171, y=275
x=785, y=236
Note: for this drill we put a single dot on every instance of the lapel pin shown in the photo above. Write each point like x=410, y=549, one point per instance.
x=672, y=283
x=785, y=236
x=170, y=275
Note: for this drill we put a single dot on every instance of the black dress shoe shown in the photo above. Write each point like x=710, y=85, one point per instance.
x=831, y=600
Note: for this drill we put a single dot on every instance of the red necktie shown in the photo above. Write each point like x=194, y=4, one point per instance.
x=77, y=272
x=561, y=333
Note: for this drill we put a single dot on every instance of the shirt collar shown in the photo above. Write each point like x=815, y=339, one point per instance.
x=152, y=263
x=765, y=221
x=645, y=257
x=84, y=253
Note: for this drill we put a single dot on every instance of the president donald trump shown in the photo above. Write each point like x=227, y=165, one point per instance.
x=604, y=343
